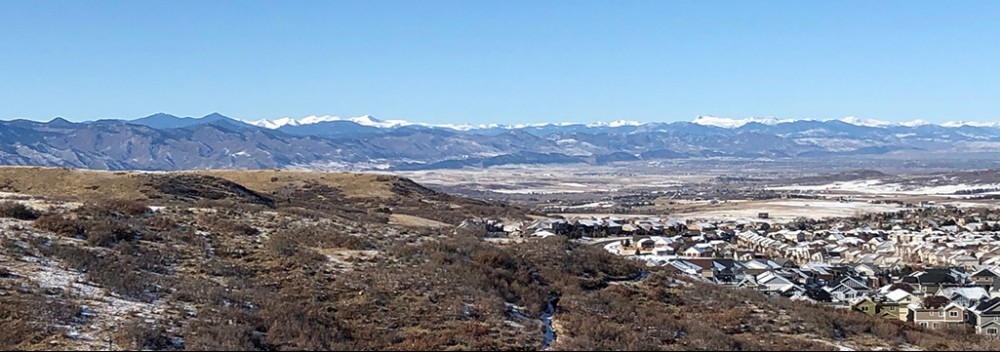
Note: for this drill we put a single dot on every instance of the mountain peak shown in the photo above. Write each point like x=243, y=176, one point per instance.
x=60, y=122
x=914, y=123
x=971, y=124
x=215, y=116
x=164, y=120
x=159, y=115
x=865, y=122
x=726, y=122
x=619, y=123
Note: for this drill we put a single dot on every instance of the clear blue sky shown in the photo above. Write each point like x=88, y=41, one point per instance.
x=502, y=61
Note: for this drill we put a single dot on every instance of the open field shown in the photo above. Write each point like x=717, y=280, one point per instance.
x=711, y=189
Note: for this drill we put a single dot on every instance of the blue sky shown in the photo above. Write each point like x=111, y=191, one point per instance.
x=502, y=61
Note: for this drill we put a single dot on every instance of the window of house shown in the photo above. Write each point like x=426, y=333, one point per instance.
x=923, y=325
x=991, y=331
x=952, y=314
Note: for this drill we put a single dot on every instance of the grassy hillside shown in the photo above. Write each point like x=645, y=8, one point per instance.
x=357, y=196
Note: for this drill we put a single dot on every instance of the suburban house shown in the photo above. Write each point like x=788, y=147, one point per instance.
x=901, y=299
x=865, y=305
x=931, y=280
x=726, y=271
x=936, y=316
x=985, y=317
x=847, y=289
x=964, y=296
x=701, y=250
x=772, y=283
x=985, y=277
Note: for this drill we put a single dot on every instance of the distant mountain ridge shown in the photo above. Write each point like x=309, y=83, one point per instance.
x=724, y=122
x=167, y=142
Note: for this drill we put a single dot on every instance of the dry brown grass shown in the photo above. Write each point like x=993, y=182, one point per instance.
x=81, y=184
x=415, y=221
x=351, y=184
x=88, y=184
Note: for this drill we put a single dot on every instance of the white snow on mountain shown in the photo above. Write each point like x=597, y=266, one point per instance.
x=726, y=122
x=284, y=121
x=723, y=122
x=317, y=119
x=971, y=124
x=914, y=123
x=615, y=124
x=365, y=120
x=368, y=120
x=865, y=122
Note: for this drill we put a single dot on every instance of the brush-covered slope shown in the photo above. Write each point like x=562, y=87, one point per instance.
x=272, y=260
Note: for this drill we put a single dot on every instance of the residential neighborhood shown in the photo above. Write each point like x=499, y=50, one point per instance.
x=935, y=267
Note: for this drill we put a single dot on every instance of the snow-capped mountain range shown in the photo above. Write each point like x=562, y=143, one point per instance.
x=365, y=120
x=734, y=123
x=368, y=120
x=723, y=122
x=167, y=142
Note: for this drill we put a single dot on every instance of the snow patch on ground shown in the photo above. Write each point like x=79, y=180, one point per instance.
x=878, y=187
x=535, y=191
x=593, y=205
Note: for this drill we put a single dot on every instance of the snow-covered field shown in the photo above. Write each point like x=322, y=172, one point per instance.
x=877, y=187
x=593, y=205
x=537, y=191
x=787, y=210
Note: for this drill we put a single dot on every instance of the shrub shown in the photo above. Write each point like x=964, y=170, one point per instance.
x=935, y=301
x=290, y=250
x=222, y=225
x=315, y=236
x=31, y=318
x=9, y=209
x=125, y=207
x=161, y=222
x=107, y=233
x=142, y=336
x=60, y=225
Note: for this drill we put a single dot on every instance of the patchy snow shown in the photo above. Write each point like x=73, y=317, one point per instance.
x=101, y=309
x=548, y=331
x=615, y=124
x=822, y=204
x=971, y=124
x=593, y=205
x=877, y=187
x=535, y=191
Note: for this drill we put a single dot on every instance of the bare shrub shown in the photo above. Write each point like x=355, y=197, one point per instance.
x=10, y=209
x=61, y=225
x=118, y=208
x=217, y=223
x=139, y=335
x=107, y=233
